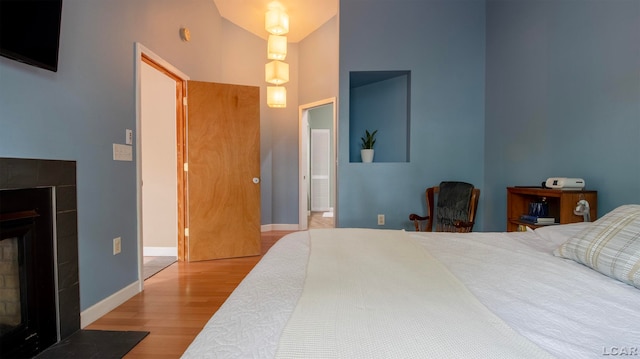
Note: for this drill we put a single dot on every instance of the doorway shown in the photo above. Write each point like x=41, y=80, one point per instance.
x=197, y=196
x=317, y=156
x=159, y=127
x=159, y=176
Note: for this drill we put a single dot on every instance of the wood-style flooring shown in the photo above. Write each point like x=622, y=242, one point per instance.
x=178, y=301
x=318, y=220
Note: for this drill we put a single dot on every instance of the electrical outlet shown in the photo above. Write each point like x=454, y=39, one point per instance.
x=117, y=245
x=129, y=137
x=381, y=219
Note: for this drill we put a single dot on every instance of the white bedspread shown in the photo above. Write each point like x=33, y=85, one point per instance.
x=565, y=308
x=379, y=294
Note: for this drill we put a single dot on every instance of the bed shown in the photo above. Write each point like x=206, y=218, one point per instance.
x=550, y=289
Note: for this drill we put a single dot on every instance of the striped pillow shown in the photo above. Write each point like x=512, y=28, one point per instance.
x=611, y=245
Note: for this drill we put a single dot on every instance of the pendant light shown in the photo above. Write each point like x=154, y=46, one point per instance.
x=277, y=47
x=276, y=72
x=276, y=96
x=276, y=20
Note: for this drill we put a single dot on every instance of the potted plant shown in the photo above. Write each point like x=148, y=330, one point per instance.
x=368, y=141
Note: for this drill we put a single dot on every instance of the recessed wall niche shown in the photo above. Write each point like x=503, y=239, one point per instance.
x=380, y=100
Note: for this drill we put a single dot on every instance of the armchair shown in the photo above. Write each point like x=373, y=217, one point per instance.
x=454, y=211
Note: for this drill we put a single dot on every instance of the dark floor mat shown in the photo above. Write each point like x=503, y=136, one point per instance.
x=94, y=344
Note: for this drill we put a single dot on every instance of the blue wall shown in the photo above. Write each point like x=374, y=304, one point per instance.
x=78, y=112
x=553, y=89
x=562, y=99
x=442, y=43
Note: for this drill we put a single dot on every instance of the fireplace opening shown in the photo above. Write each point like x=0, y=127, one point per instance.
x=28, y=318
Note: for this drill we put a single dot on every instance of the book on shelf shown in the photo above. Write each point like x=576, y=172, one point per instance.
x=537, y=220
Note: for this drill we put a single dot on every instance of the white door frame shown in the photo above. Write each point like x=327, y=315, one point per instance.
x=140, y=50
x=303, y=157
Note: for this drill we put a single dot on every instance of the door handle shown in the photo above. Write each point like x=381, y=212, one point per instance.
x=256, y=180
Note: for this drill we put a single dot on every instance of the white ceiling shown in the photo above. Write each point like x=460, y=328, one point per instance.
x=305, y=16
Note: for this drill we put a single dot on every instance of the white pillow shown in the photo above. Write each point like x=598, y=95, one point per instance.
x=611, y=245
x=560, y=233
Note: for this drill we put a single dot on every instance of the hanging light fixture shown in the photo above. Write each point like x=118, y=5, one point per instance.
x=277, y=47
x=276, y=72
x=276, y=20
x=276, y=96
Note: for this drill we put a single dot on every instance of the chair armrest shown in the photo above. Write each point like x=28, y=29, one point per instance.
x=415, y=217
x=416, y=220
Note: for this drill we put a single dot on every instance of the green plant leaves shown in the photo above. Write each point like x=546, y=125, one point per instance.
x=369, y=140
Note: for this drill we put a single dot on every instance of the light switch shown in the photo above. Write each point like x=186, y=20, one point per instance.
x=122, y=152
x=129, y=137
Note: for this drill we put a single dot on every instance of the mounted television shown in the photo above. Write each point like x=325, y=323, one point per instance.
x=30, y=31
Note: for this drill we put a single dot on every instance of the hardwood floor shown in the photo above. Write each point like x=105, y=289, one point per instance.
x=177, y=302
x=318, y=220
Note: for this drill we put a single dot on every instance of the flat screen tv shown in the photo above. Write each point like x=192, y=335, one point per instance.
x=30, y=31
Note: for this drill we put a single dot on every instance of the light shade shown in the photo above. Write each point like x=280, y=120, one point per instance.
x=277, y=47
x=276, y=21
x=276, y=96
x=276, y=72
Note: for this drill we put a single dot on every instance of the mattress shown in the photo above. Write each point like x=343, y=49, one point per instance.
x=563, y=307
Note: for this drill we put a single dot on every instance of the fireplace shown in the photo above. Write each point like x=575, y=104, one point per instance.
x=39, y=281
x=27, y=282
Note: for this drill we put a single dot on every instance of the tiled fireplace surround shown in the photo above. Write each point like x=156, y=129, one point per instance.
x=18, y=173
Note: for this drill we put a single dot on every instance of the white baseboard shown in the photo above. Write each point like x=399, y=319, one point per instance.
x=160, y=251
x=279, y=227
x=108, y=304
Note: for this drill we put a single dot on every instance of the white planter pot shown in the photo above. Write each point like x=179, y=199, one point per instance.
x=367, y=155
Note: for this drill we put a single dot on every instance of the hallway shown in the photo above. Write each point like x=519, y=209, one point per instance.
x=321, y=220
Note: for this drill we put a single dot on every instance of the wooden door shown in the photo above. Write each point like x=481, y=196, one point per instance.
x=223, y=151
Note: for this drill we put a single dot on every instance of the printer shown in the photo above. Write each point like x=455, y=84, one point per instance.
x=564, y=183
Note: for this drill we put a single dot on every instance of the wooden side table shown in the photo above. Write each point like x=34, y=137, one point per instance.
x=561, y=204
